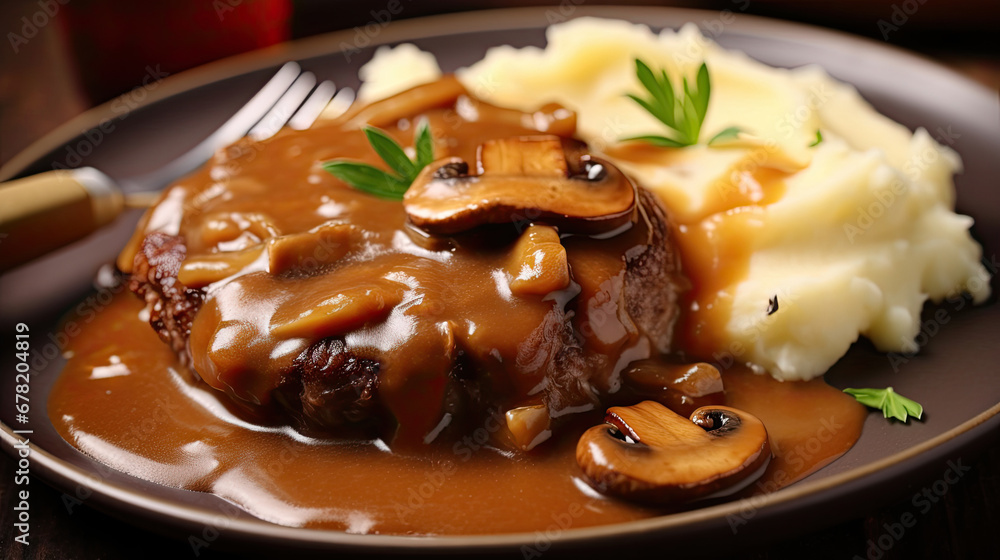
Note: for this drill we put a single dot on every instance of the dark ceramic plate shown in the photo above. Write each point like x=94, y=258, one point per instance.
x=954, y=375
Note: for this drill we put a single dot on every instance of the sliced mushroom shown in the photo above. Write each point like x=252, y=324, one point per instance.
x=197, y=272
x=310, y=251
x=521, y=180
x=234, y=231
x=339, y=313
x=680, y=387
x=650, y=454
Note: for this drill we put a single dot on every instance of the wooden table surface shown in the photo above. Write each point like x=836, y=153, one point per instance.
x=36, y=96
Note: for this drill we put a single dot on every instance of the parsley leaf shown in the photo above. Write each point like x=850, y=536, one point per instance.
x=683, y=112
x=819, y=138
x=891, y=403
x=730, y=133
x=373, y=180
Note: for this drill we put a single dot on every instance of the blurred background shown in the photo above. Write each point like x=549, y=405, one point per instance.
x=64, y=56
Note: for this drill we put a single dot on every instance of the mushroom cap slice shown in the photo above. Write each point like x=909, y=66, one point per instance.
x=521, y=180
x=648, y=453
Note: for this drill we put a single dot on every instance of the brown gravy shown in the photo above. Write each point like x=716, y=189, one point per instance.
x=125, y=400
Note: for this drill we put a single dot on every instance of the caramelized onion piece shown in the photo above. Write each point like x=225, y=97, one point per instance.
x=650, y=454
x=537, y=265
x=529, y=425
x=521, y=180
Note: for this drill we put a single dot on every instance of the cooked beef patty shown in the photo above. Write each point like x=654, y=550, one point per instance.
x=301, y=296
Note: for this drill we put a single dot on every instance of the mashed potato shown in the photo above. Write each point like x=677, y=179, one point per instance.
x=396, y=69
x=796, y=247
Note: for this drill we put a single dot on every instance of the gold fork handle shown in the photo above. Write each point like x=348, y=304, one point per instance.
x=46, y=211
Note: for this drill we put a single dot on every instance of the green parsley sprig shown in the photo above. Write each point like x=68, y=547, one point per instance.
x=682, y=112
x=891, y=403
x=818, y=140
x=378, y=182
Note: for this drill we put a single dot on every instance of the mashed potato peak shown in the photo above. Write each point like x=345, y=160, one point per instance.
x=396, y=69
x=850, y=236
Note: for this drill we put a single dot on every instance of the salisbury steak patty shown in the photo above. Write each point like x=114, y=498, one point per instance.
x=297, y=294
x=171, y=306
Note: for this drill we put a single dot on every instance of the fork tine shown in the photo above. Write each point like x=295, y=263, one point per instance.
x=241, y=122
x=284, y=108
x=232, y=130
x=339, y=104
x=313, y=106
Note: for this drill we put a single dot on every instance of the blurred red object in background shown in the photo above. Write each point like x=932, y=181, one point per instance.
x=117, y=44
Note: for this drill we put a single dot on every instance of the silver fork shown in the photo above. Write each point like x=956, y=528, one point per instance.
x=46, y=211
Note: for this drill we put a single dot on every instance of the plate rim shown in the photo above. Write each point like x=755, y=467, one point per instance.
x=115, y=496
x=120, y=497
